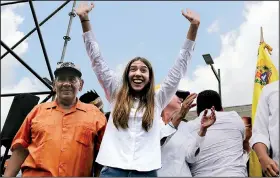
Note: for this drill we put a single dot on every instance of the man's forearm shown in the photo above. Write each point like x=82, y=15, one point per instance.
x=192, y=32
x=246, y=146
x=177, y=119
x=15, y=162
x=202, y=132
x=261, y=150
x=85, y=23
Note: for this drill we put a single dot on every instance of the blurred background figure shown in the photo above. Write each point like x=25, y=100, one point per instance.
x=91, y=97
x=248, y=134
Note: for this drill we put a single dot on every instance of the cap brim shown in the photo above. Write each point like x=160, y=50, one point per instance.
x=69, y=69
x=182, y=94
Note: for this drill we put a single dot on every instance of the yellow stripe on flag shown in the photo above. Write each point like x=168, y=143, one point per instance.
x=265, y=74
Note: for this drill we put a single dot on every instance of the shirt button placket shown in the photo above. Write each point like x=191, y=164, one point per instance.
x=64, y=137
x=133, y=140
x=61, y=169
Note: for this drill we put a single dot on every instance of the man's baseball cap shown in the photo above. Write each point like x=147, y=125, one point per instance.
x=180, y=93
x=67, y=66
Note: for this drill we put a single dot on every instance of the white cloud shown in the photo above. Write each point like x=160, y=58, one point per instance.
x=238, y=55
x=214, y=27
x=10, y=34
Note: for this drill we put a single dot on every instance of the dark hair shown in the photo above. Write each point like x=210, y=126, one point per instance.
x=107, y=115
x=89, y=96
x=206, y=99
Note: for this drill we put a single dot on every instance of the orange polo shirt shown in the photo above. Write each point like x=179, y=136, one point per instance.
x=59, y=143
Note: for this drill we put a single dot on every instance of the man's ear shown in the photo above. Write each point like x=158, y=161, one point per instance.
x=81, y=84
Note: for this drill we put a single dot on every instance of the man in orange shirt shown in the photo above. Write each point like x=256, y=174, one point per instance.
x=59, y=138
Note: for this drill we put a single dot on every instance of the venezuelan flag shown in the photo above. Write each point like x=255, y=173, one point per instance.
x=265, y=74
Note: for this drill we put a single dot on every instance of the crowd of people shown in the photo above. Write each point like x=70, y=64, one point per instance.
x=144, y=134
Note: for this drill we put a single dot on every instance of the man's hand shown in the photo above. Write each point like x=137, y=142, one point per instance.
x=83, y=9
x=269, y=167
x=187, y=105
x=246, y=146
x=207, y=121
x=192, y=16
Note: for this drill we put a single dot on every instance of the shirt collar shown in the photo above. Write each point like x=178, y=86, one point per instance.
x=79, y=105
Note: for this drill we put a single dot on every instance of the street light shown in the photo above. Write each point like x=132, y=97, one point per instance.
x=208, y=59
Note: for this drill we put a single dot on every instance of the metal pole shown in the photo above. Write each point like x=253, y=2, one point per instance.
x=220, y=87
x=214, y=71
x=14, y=2
x=25, y=65
x=67, y=38
x=41, y=39
x=47, y=98
x=34, y=29
x=33, y=93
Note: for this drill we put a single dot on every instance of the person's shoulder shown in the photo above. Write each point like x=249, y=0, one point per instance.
x=87, y=106
x=190, y=125
x=233, y=113
x=92, y=110
x=274, y=84
x=39, y=108
x=45, y=105
x=227, y=114
x=271, y=87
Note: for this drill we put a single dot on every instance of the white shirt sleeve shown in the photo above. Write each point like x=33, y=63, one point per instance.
x=242, y=129
x=166, y=132
x=260, y=126
x=106, y=77
x=193, y=147
x=169, y=86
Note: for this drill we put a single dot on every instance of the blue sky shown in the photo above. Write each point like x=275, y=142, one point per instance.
x=155, y=30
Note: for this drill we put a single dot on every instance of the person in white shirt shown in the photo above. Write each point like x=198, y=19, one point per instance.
x=132, y=141
x=221, y=152
x=183, y=147
x=265, y=135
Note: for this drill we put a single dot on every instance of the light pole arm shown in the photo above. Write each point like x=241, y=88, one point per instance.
x=215, y=72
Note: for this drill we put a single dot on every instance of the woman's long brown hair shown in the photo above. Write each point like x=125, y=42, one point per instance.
x=124, y=99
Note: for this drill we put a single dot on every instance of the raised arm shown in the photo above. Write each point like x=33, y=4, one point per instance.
x=170, y=84
x=193, y=145
x=168, y=130
x=105, y=75
x=192, y=148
